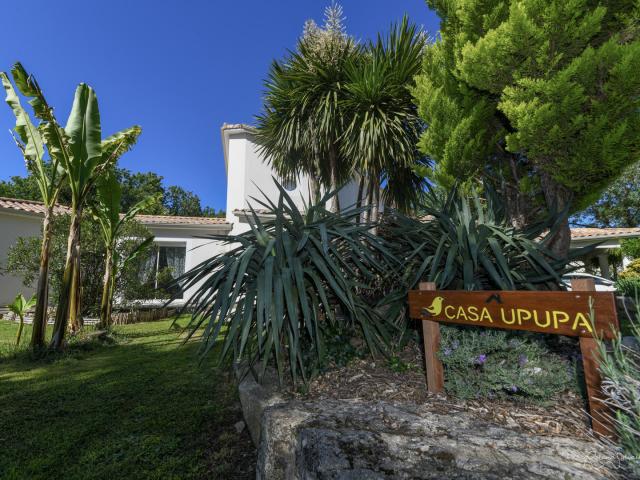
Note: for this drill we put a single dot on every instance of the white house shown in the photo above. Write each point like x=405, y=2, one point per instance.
x=250, y=177
x=179, y=239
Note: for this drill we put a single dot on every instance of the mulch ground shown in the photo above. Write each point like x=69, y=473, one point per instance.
x=370, y=380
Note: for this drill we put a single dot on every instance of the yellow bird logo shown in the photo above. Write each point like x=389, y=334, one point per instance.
x=435, y=308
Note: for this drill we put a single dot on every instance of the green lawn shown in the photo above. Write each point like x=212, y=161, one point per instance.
x=143, y=407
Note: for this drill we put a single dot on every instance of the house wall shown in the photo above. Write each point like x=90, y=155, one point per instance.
x=12, y=227
x=250, y=176
x=197, y=249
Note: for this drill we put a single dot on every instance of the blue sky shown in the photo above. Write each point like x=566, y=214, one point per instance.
x=180, y=69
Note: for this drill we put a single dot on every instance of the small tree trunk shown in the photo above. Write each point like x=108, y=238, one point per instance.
x=375, y=207
x=314, y=187
x=333, y=165
x=360, y=194
x=105, y=314
x=20, y=327
x=62, y=308
x=74, y=302
x=112, y=292
x=557, y=197
x=42, y=289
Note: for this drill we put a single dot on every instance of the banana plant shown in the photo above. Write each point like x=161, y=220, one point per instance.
x=85, y=157
x=47, y=173
x=20, y=307
x=106, y=212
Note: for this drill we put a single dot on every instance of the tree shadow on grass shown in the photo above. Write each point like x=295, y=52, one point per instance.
x=130, y=411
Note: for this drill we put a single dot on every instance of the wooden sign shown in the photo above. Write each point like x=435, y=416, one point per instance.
x=562, y=313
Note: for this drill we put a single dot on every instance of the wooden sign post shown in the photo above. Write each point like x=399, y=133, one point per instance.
x=562, y=313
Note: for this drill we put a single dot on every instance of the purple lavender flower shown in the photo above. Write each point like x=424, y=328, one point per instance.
x=480, y=359
x=455, y=344
x=513, y=389
x=447, y=352
x=522, y=360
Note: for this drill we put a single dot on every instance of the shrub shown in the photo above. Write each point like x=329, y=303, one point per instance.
x=632, y=270
x=278, y=291
x=620, y=368
x=629, y=287
x=482, y=363
x=469, y=244
x=23, y=260
x=630, y=247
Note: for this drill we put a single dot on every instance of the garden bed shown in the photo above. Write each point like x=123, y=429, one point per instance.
x=402, y=380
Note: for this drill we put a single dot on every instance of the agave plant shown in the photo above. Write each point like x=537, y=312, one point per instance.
x=468, y=244
x=284, y=281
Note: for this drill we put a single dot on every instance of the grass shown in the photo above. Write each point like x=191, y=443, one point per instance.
x=140, y=408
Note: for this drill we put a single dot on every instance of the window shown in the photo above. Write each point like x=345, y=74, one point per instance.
x=164, y=264
x=289, y=184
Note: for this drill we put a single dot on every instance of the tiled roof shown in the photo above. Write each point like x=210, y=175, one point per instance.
x=28, y=206
x=174, y=220
x=247, y=211
x=37, y=208
x=577, y=233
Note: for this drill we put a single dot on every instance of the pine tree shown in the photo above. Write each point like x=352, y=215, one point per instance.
x=542, y=96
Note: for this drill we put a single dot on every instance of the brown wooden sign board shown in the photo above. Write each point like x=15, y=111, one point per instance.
x=561, y=313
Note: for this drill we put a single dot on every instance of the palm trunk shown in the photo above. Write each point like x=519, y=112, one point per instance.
x=314, y=186
x=105, y=304
x=360, y=193
x=62, y=310
x=42, y=289
x=367, y=214
x=375, y=206
x=333, y=165
x=20, y=327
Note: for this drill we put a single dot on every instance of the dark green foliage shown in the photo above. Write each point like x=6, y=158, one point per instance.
x=288, y=280
x=485, y=363
x=469, y=244
x=629, y=287
x=23, y=261
x=541, y=96
x=342, y=345
x=631, y=246
x=141, y=284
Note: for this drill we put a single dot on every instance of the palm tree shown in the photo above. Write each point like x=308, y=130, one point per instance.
x=48, y=175
x=384, y=126
x=303, y=120
x=20, y=307
x=84, y=157
x=106, y=212
x=338, y=111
